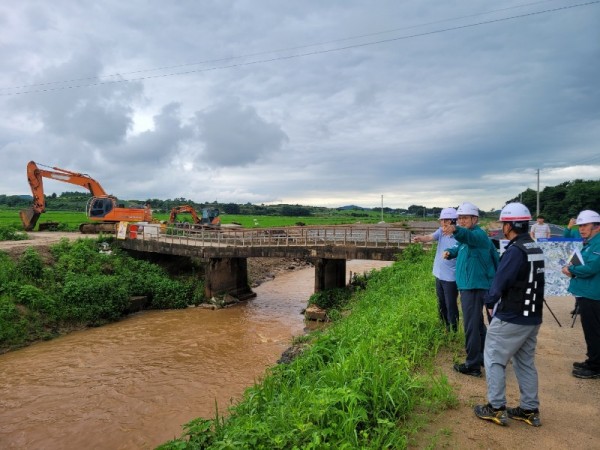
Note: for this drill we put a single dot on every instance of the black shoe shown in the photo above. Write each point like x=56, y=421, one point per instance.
x=529, y=416
x=586, y=373
x=464, y=369
x=496, y=415
x=581, y=365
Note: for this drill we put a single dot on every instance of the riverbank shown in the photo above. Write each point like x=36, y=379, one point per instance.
x=131, y=384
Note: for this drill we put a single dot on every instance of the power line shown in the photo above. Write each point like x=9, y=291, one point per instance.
x=311, y=53
x=121, y=74
x=585, y=161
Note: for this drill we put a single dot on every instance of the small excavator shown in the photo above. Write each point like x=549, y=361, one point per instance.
x=103, y=209
x=209, y=219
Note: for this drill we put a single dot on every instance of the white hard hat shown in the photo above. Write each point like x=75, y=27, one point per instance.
x=468, y=209
x=515, y=212
x=588, y=216
x=448, y=213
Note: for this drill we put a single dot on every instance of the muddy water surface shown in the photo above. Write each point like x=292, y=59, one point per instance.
x=132, y=384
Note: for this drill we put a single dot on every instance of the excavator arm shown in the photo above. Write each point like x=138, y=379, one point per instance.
x=35, y=177
x=183, y=209
x=209, y=219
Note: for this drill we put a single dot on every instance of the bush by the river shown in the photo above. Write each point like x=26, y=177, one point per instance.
x=10, y=233
x=364, y=382
x=81, y=287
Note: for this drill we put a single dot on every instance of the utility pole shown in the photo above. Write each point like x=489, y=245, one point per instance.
x=382, y=207
x=537, y=206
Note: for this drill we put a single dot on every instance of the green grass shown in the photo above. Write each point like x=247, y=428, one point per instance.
x=284, y=221
x=70, y=220
x=361, y=384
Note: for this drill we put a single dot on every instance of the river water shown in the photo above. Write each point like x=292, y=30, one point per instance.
x=132, y=384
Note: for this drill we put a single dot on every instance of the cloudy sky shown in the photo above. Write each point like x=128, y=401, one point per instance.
x=310, y=102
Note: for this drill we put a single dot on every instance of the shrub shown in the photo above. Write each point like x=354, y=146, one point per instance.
x=36, y=299
x=13, y=330
x=169, y=294
x=7, y=273
x=94, y=299
x=30, y=266
x=330, y=298
x=11, y=234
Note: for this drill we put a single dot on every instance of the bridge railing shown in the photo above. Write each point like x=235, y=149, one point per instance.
x=357, y=236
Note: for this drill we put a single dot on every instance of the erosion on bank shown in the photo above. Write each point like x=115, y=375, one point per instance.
x=74, y=285
x=51, y=285
x=365, y=382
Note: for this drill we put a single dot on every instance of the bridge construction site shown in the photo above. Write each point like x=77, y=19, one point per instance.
x=226, y=249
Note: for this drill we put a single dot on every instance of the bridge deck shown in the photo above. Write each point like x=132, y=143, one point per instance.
x=344, y=242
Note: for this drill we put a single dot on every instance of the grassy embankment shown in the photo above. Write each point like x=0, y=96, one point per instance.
x=368, y=381
x=83, y=287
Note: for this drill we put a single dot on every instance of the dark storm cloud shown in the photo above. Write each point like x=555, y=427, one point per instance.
x=99, y=117
x=159, y=144
x=235, y=135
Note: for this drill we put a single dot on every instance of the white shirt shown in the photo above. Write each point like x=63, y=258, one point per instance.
x=540, y=230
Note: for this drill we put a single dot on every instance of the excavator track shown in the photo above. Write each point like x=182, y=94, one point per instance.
x=97, y=228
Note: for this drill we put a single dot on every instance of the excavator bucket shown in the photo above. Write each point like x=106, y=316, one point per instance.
x=29, y=217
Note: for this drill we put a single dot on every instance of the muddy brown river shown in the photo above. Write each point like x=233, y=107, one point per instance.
x=132, y=384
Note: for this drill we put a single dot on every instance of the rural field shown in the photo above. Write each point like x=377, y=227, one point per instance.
x=70, y=220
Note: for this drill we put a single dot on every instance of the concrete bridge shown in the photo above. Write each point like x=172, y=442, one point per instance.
x=226, y=250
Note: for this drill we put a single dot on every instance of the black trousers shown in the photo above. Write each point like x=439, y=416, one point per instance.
x=471, y=302
x=589, y=311
x=447, y=295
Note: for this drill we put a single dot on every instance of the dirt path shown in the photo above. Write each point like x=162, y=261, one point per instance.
x=38, y=238
x=569, y=407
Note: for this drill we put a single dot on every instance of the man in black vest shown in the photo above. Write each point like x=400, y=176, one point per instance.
x=515, y=301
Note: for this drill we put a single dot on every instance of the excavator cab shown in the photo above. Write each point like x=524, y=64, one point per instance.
x=98, y=207
x=211, y=218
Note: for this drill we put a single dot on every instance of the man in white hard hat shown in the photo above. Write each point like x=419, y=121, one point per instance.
x=585, y=286
x=476, y=261
x=515, y=301
x=444, y=271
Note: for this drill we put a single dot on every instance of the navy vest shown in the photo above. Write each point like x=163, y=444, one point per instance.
x=526, y=296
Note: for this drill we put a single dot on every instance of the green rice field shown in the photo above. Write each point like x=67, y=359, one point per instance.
x=70, y=220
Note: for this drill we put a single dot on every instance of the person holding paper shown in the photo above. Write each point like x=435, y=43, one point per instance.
x=585, y=286
x=572, y=232
x=515, y=300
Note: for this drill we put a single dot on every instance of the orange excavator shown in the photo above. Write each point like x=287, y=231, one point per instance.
x=210, y=216
x=102, y=208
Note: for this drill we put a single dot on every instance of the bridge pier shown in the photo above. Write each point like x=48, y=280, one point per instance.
x=329, y=273
x=227, y=276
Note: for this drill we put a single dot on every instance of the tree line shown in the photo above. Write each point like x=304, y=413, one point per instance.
x=557, y=203
x=561, y=202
